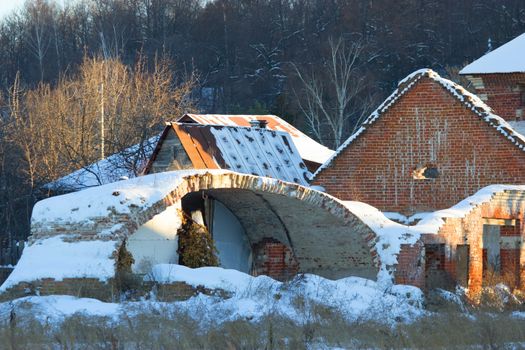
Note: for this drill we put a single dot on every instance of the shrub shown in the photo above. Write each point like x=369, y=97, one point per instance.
x=196, y=246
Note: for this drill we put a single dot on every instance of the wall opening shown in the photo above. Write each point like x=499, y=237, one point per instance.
x=462, y=264
x=232, y=244
x=501, y=252
x=426, y=172
x=229, y=238
x=435, y=274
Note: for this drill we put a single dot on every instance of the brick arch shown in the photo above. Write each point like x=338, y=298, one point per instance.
x=343, y=232
x=243, y=188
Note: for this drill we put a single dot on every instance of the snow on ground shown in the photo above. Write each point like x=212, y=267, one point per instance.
x=54, y=258
x=357, y=299
x=507, y=58
x=253, y=297
x=55, y=308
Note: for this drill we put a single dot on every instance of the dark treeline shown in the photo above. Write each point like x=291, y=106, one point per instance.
x=245, y=50
x=321, y=64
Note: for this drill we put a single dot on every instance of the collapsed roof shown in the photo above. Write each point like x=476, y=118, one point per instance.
x=309, y=149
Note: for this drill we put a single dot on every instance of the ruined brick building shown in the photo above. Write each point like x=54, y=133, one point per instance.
x=429, y=191
x=432, y=144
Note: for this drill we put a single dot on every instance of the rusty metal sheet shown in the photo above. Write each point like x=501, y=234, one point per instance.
x=189, y=146
x=308, y=148
x=255, y=151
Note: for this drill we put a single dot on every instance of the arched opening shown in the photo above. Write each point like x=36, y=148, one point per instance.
x=268, y=233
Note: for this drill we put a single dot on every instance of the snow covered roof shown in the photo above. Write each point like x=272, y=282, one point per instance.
x=309, y=149
x=471, y=101
x=508, y=58
x=107, y=170
x=255, y=151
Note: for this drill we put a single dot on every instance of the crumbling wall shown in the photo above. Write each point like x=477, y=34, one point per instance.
x=274, y=259
x=460, y=236
x=295, y=207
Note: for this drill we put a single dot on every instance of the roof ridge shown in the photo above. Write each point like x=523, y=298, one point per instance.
x=471, y=101
x=229, y=126
x=232, y=115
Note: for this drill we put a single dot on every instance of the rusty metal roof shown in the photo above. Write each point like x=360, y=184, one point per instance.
x=255, y=151
x=308, y=148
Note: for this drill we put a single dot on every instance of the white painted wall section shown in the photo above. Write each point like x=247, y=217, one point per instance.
x=233, y=247
x=156, y=241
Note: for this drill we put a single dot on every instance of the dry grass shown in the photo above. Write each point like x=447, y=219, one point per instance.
x=320, y=328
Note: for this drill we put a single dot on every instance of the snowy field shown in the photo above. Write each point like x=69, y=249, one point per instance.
x=252, y=298
x=309, y=312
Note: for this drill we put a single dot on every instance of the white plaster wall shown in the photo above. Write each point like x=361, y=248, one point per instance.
x=230, y=240
x=156, y=241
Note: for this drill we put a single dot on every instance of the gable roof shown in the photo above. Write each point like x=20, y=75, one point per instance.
x=508, y=58
x=308, y=148
x=471, y=101
x=256, y=151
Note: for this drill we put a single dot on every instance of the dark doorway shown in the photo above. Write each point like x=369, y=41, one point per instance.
x=435, y=274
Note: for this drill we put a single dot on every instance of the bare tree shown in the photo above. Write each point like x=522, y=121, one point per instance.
x=335, y=96
x=58, y=128
x=40, y=17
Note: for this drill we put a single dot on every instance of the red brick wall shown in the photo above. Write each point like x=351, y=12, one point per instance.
x=503, y=94
x=274, y=259
x=510, y=265
x=510, y=230
x=410, y=267
x=425, y=126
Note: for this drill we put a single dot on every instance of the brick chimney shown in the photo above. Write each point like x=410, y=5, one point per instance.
x=258, y=123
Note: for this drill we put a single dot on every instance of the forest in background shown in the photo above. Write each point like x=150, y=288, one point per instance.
x=323, y=65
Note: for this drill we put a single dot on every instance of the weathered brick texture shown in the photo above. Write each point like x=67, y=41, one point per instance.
x=410, y=267
x=274, y=259
x=79, y=287
x=503, y=93
x=467, y=231
x=427, y=126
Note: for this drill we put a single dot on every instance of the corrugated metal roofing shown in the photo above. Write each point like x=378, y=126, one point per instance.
x=308, y=148
x=255, y=151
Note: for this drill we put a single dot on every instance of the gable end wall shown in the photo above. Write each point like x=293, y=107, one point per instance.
x=425, y=126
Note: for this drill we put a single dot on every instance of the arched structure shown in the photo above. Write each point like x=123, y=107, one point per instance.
x=325, y=237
